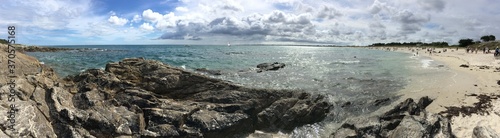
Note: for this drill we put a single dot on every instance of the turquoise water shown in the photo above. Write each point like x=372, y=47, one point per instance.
x=345, y=71
x=344, y=74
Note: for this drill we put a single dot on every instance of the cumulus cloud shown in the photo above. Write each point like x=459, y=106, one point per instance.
x=410, y=22
x=328, y=13
x=189, y=31
x=232, y=6
x=147, y=27
x=182, y=9
x=115, y=20
x=376, y=7
x=136, y=19
x=151, y=16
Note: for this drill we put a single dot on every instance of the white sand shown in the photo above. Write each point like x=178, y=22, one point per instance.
x=450, y=89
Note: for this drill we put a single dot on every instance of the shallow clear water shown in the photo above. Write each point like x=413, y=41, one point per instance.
x=344, y=74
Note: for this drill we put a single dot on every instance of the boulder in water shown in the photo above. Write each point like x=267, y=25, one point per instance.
x=270, y=66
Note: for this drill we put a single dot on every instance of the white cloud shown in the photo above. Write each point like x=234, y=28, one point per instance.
x=136, y=19
x=147, y=27
x=115, y=20
x=182, y=9
x=151, y=16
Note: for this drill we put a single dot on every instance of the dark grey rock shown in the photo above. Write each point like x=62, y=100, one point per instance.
x=270, y=66
x=464, y=66
x=407, y=119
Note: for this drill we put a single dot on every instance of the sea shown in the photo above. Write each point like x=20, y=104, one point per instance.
x=353, y=77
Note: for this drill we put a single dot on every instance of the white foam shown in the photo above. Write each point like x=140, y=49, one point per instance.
x=426, y=63
x=346, y=62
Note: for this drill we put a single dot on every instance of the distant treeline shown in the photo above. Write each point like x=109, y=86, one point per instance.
x=3, y=41
x=411, y=44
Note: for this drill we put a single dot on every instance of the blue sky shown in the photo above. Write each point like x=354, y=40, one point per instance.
x=340, y=22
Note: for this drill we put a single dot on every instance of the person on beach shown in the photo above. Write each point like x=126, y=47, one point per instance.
x=497, y=52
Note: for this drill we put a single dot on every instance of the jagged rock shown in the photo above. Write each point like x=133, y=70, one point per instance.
x=344, y=133
x=270, y=66
x=484, y=132
x=407, y=119
x=282, y=114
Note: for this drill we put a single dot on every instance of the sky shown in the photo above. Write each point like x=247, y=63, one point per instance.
x=337, y=22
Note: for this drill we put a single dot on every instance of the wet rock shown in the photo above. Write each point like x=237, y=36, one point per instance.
x=379, y=102
x=270, y=66
x=211, y=72
x=464, y=66
x=346, y=104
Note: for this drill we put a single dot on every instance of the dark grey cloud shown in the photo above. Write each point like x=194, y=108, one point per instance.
x=410, y=22
x=189, y=31
x=230, y=26
x=254, y=27
x=328, y=13
x=376, y=25
x=435, y=5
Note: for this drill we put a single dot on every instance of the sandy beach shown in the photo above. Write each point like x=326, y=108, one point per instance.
x=454, y=88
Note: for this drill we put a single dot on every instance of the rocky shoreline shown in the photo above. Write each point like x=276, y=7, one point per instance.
x=136, y=97
x=145, y=98
x=23, y=48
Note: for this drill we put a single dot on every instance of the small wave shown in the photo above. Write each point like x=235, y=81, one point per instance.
x=235, y=53
x=346, y=62
x=426, y=63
